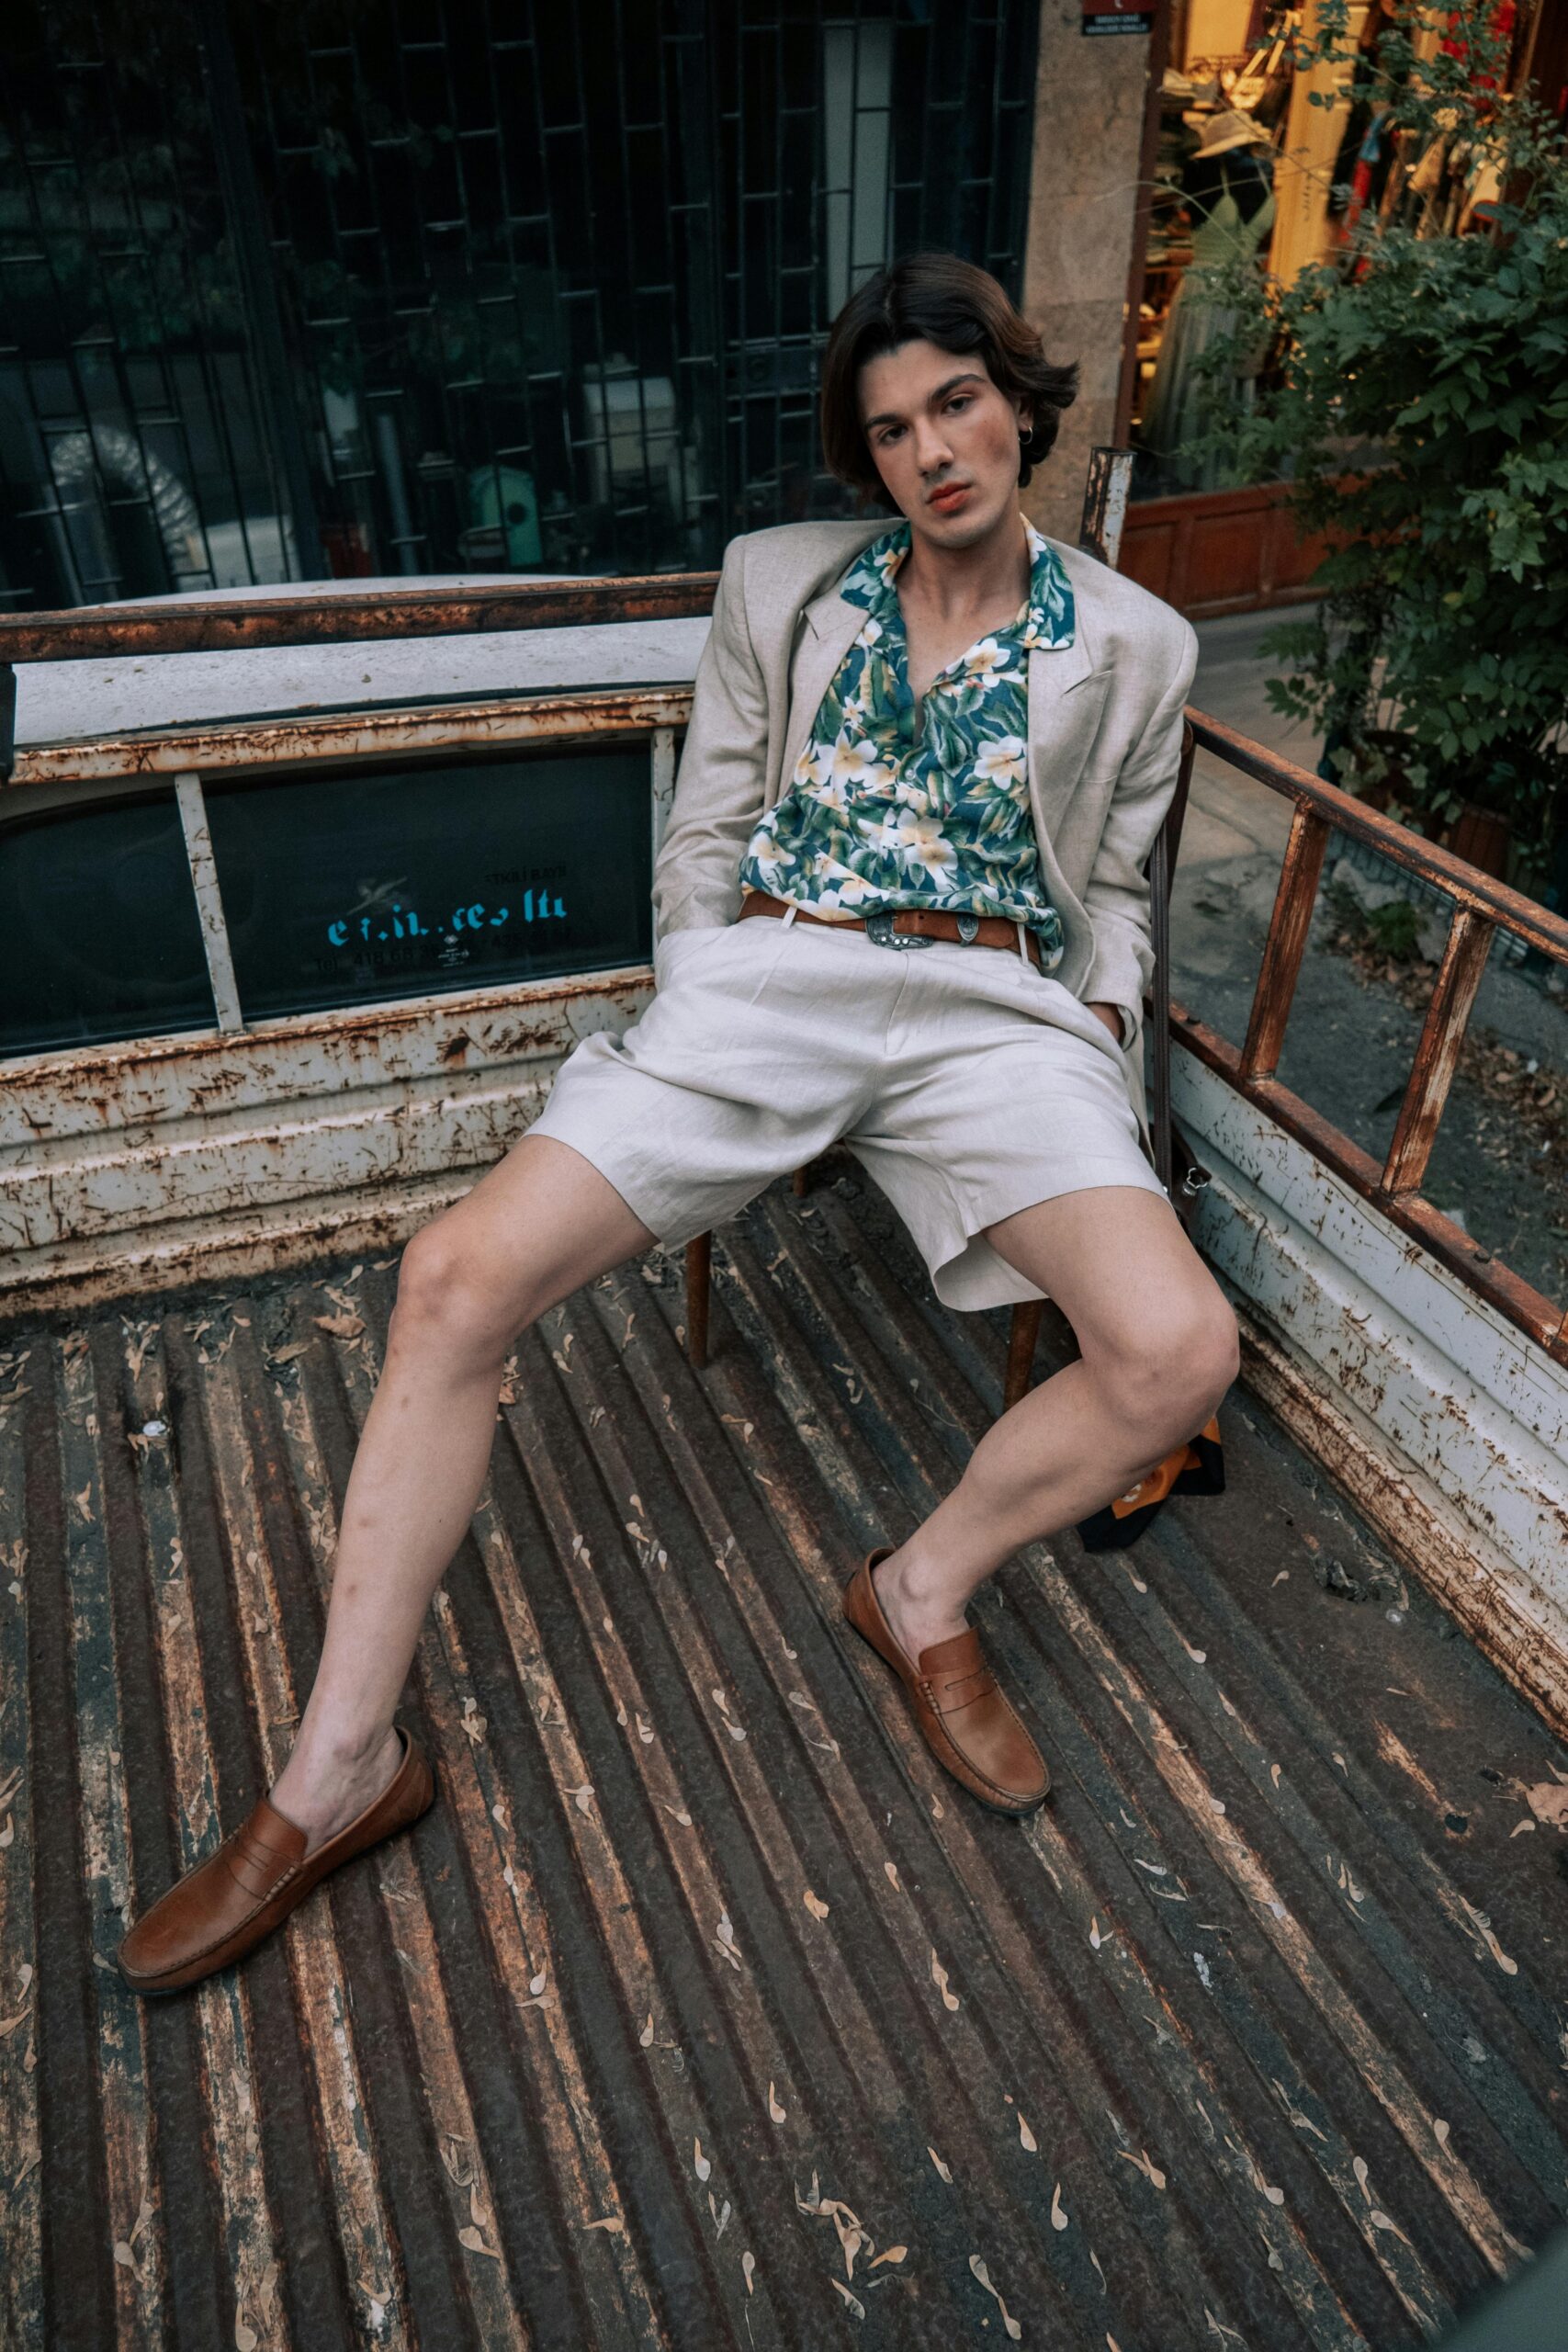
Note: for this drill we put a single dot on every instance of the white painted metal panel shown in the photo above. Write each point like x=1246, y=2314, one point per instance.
x=113, y=1156
x=1449, y=1386
x=77, y=701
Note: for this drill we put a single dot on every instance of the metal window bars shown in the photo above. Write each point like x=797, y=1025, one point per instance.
x=503, y=289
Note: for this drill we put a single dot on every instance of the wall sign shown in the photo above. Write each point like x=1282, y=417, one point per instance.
x=1117, y=16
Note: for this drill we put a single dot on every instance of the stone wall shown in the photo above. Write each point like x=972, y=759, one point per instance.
x=1088, y=124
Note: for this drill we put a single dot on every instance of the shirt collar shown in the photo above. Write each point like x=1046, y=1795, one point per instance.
x=1047, y=619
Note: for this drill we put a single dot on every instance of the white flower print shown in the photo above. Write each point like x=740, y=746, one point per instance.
x=919, y=841
x=855, y=762
x=982, y=659
x=1004, y=762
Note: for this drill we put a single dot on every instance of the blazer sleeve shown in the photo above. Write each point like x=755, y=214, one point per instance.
x=720, y=784
x=1116, y=896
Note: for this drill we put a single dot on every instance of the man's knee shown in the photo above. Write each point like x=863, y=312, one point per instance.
x=447, y=1286
x=1169, y=1377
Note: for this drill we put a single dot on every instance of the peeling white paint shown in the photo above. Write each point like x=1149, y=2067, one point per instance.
x=1442, y=1378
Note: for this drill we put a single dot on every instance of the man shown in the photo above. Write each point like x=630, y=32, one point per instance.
x=929, y=757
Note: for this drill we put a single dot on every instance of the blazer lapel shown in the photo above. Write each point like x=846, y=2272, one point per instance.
x=832, y=626
x=1066, y=692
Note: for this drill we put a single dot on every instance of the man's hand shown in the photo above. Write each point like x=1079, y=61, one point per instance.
x=1111, y=1016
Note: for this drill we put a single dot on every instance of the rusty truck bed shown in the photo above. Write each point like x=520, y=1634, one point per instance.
x=702, y=2008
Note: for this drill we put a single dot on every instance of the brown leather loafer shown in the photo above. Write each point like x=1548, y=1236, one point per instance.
x=222, y=1908
x=969, y=1726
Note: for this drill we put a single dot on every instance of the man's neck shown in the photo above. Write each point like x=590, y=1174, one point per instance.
x=950, y=585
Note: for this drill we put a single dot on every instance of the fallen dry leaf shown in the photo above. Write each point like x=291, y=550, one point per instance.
x=1014, y=2332
x=1143, y=2162
x=1549, y=1802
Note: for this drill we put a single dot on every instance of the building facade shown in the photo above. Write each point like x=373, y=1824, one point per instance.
x=353, y=289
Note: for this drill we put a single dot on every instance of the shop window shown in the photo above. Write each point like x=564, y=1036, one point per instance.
x=99, y=931
x=354, y=887
x=857, y=96
x=1225, y=107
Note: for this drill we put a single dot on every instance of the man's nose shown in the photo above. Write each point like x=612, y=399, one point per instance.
x=932, y=450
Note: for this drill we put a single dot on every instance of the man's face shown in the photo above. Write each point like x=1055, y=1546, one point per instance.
x=944, y=440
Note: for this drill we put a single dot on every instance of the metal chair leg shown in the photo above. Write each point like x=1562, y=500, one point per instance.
x=699, y=1268
x=1022, y=1339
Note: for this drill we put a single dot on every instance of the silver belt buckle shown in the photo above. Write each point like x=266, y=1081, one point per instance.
x=880, y=929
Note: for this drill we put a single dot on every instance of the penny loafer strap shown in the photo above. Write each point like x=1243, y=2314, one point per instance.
x=950, y=1692
x=266, y=1850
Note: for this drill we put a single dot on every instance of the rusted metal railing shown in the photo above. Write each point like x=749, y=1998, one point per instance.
x=1482, y=906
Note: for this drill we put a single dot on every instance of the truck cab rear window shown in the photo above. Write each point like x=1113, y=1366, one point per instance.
x=99, y=931
x=358, y=886
x=339, y=887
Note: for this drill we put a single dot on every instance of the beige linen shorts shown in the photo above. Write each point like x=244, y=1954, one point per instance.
x=968, y=1085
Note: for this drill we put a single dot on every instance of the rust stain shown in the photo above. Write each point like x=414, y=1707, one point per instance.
x=347, y=615
x=367, y=733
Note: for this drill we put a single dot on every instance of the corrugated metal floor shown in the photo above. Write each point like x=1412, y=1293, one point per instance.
x=703, y=2010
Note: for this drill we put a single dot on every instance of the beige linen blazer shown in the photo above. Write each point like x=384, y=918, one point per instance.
x=1104, y=744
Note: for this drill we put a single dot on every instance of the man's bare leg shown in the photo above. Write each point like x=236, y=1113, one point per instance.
x=1160, y=1349
x=536, y=1226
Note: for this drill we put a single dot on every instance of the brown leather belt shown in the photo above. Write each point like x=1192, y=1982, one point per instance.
x=905, y=927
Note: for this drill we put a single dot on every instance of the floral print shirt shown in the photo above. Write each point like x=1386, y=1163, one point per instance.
x=881, y=812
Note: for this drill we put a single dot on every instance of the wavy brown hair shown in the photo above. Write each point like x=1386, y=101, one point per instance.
x=935, y=298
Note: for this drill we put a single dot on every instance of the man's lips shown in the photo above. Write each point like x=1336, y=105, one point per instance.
x=950, y=495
